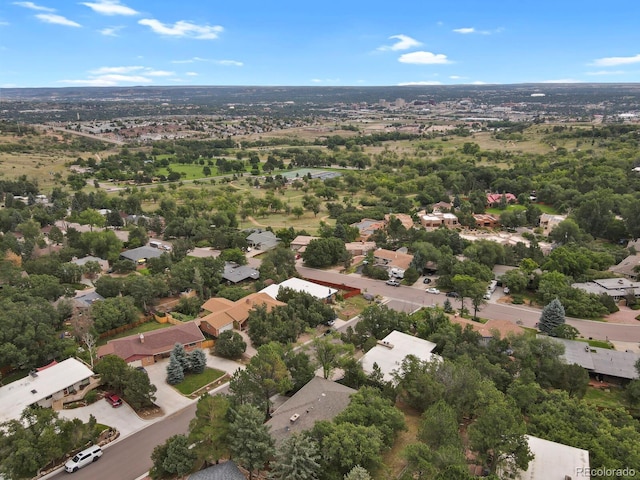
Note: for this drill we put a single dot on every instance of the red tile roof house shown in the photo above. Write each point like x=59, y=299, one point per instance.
x=146, y=349
x=227, y=315
x=494, y=199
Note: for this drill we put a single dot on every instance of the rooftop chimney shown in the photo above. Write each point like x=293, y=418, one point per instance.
x=141, y=338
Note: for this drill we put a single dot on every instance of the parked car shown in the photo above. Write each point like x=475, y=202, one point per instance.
x=142, y=369
x=113, y=399
x=506, y=290
x=426, y=280
x=393, y=283
x=83, y=458
x=453, y=294
x=433, y=290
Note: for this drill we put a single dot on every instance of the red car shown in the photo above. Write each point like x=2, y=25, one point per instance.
x=113, y=399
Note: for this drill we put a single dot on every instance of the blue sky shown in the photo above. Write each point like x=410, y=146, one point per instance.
x=62, y=43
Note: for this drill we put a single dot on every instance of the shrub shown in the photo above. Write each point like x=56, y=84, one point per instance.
x=91, y=397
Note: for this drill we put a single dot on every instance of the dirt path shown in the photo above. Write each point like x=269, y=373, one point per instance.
x=255, y=222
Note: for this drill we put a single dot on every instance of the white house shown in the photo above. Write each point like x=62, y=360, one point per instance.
x=44, y=387
x=321, y=292
x=555, y=460
x=389, y=353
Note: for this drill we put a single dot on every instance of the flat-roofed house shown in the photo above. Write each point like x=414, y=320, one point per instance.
x=321, y=292
x=437, y=220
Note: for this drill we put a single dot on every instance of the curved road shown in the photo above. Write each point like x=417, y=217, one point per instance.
x=415, y=298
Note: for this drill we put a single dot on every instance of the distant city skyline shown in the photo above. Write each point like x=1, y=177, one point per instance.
x=63, y=43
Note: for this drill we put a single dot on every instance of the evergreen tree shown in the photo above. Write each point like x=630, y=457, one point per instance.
x=198, y=361
x=181, y=355
x=249, y=440
x=175, y=373
x=297, y=459
x=358, y=473
x=552, y=317
x=173, y=458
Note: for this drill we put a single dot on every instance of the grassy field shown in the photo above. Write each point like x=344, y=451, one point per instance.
x=392, y=460
x=195, y=381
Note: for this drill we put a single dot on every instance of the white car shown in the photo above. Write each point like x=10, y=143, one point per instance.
x=433, y=290
x=83, y=458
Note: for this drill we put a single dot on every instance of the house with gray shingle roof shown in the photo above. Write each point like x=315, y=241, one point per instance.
x=262, y=240
x=223, y=471
x=141, y=254
x=235, y=273
x=319, y=399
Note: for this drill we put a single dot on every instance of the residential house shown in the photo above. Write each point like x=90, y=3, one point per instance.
x=146, y=349
x=390, y=259
x=437, y=220
x=85, y=300
x=486, y=330
x=318, y=400
x=367, y=227
x=629, y=267
x=486, y=220
x=495, y=199
x=262, y=240
x=616, y=288
x=301, y=242
x=50, y=386
x=405, y=220
x=104, y=264
x=235, y=273
x=321, y=292
x=389, y=353
x=553, y=460
x=603, y=363
x=441, y=207
x=140, y=255
x=548, y=222
x=222, y=471
x=226, y=315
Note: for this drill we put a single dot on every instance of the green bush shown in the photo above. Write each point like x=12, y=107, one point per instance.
x=517, y=299
x=91, y=397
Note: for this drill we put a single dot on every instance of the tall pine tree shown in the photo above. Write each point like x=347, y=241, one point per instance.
x=552, y=317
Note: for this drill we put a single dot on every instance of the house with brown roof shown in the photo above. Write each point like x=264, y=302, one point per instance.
x=405, y=220
x=301, y=242
x=485, y=220
x=145, y=349
x=391, y=259
x=629, y=267
x=226, y=315
x=367, y=227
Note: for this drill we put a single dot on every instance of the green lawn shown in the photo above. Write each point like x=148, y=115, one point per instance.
x=614, y=398
x=195, y=381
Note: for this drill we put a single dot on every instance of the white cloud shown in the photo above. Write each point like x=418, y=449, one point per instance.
x=159, y=73
x=423, y=58
x=191, y=74
x=404, y=43
x=479, y=82
x=107, y=71
x=3, y=23
x=427, y=82
x=607, y=72
x=325, y=80
x=456, y=77
x=615, y=61
x=110, y=7
x=110, y=31
x=472, y=30
x=183, y=29
x=111, y=80
x=56, y=19
x=117, y=70
x=33, y=6
x=230, y=63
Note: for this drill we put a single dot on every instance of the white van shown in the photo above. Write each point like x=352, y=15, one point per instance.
x=83, y=458
x=155, y=244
